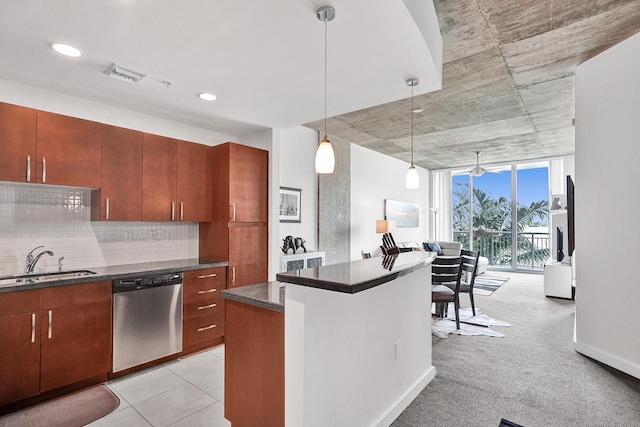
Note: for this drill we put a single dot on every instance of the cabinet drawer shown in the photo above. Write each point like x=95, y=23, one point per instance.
x=206, y=277
x=202, y=328
x=194, y=294
x=19, y=302
x=202, y=307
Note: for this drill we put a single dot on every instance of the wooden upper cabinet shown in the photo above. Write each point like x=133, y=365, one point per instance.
x=159, y=168
x=193, y=183
x=17, y=143
x=68, y=150
x=248, y=172
x=120, y=197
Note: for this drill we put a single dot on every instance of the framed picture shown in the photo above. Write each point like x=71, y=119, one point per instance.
x=290, y=200
x=403, y=213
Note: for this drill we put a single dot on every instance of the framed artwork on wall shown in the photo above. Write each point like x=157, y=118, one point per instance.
x=290, y=203
x=403, y=213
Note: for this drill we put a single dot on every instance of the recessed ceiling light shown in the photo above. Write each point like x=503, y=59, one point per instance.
x=65, y=49
x=207, y=96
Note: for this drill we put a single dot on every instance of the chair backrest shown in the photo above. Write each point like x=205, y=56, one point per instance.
x=446, y=270
x=469, y=265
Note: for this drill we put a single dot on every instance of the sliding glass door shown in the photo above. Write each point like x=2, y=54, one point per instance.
x=503, y=215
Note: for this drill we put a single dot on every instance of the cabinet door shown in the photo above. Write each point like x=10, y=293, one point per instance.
x=68, y=150
x=248, y=183
x=158, y=178
x=120, y=197
x=17, y=143
x=76, y=333
x=248, y=274
x=194, y=195
x=247, y=244
x=20, y=356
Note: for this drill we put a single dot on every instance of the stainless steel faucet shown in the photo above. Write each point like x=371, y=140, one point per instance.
x=31, y=261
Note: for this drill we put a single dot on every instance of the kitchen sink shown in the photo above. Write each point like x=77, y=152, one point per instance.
x=43, y=277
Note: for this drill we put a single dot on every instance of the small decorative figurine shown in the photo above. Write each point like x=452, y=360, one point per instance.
x=290, y=242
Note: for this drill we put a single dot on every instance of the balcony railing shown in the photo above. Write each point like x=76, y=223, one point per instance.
x=533, y=248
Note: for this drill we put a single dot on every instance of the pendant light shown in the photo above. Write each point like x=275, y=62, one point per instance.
x=325, y=157
x=413, y=179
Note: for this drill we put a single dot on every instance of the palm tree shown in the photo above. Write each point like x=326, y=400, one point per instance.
x=492, y=226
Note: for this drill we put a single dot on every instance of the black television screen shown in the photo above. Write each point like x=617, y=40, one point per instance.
x=560, y=244
x=570, y=216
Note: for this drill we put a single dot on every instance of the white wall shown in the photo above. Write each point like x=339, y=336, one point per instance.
x=607, y=202
x=374, y=178
x=298, y=147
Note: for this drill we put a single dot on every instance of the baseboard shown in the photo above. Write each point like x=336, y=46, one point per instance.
x=405, y=400
x=608, y=359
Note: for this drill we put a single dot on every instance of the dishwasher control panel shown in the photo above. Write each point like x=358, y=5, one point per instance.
x=137, y=283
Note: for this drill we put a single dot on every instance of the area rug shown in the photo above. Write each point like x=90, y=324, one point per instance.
x=486, y=285
x=77, y=409
x=469, y=324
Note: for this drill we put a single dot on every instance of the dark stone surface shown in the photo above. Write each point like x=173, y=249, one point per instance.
x=357, y=276
x=123, y=271
x=266, y=295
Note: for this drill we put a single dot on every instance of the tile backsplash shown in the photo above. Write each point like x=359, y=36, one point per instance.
x=59, y=218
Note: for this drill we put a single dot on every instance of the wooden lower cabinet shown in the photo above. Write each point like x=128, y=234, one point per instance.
x=19, y=346
x=204, y=308
x=53, y=337
x=254, y=366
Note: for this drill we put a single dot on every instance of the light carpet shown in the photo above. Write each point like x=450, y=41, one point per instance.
x=486, y=285
x=469, y=324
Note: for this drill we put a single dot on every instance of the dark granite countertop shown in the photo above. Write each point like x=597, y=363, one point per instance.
x=122, y=271
x=266, y=295
x=360, y=275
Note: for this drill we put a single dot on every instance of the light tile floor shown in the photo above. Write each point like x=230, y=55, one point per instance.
x=187, y=392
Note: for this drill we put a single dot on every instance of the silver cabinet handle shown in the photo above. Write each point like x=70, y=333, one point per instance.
x=207, y=306
x=50, y=322
x=44, y=170
x=28, y=168
x=206, y=327
x=206, y=275
x=107, y=213
x=33, y=327
x=173, y=211
x=181, y=211
x=233, y=218
x=208, y=291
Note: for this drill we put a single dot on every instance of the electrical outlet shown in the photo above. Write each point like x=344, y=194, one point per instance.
x=397, y=350
x=153, y=236
x=127, y=237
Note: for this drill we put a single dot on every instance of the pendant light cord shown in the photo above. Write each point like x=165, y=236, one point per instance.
x=411, y=126
x=325, y=78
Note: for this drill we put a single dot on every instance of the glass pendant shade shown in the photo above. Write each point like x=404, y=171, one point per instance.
x=413, y=179
x=325, y=158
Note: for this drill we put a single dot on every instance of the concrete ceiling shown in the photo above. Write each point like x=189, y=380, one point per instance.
x=508, y=83
x=263, y=59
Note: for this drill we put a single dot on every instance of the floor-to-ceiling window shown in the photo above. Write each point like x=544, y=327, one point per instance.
x=503, y=215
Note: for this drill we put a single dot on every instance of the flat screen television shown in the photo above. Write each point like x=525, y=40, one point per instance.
x=570, y=216
x=560, y=243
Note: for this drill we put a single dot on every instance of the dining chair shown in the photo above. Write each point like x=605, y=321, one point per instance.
x=445, y=281
x=468, y=274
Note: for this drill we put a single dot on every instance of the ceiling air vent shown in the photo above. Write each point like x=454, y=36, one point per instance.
x=123, y=74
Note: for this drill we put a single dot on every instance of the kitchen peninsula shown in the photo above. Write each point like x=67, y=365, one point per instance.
x=356, y=338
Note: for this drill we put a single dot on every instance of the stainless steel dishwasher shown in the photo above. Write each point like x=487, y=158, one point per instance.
x=147, y=319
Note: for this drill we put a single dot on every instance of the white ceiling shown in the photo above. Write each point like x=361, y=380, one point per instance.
x=264, y=60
